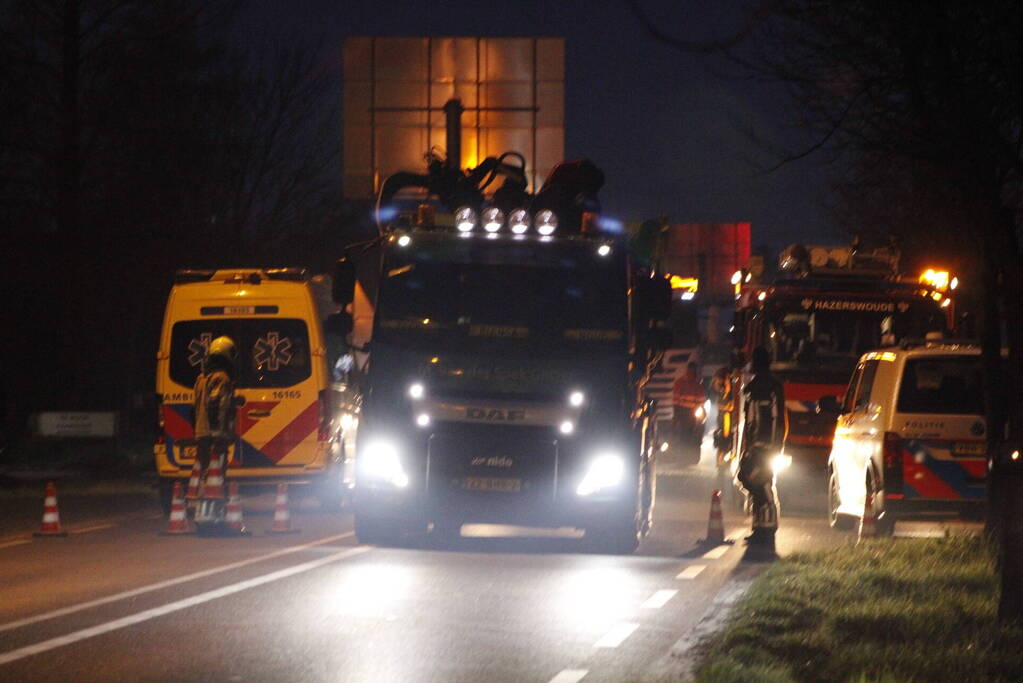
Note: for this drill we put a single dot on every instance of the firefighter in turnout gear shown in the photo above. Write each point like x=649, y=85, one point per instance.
x=764, y=428
x=215, y=403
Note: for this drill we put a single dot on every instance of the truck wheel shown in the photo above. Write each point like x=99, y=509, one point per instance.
x=166, y=496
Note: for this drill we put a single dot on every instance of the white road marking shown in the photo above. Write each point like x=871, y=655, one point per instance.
x=71, y=609
x=659, y=599
x=87, y=529
x=691, y=572
x=172, y=607
x=10, y=543
x=569, y=676
x=616, y=635
x=716, y=553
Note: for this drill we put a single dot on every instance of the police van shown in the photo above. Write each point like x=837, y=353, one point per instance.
x=294, y=425
x=911, y=431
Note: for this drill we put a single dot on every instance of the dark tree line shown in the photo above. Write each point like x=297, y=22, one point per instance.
x=138, y=137
x=919, y=105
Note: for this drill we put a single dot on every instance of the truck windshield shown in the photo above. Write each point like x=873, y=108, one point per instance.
x=272, y=352
x=522, y=306
x=796, y=335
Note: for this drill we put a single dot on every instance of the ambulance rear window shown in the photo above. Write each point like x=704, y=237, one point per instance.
x=272, y=352
x=942, y=386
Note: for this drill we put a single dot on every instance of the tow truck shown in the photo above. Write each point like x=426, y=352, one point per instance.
x=828, y=306
x=506, y=348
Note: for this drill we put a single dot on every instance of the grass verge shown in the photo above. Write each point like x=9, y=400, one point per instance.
x=886, y=610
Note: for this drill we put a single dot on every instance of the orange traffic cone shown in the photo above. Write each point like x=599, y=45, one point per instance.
x=51, y=517
x=715, y=525
x=282, y=518
x=213, y=489
x=868, y=523
x=177, y=524
x=233, y=524
x=193, y=481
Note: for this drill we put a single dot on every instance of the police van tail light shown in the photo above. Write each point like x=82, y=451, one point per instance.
x=159, y=419
x=892, y=451
x=323, y=398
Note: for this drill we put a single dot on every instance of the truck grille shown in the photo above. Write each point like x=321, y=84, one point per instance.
x=473, y=469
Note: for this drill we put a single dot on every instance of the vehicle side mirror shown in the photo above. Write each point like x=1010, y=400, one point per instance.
x=828, y=405
x=343, y=290
x=339, y=325
x=654, y=297
x=660, y=339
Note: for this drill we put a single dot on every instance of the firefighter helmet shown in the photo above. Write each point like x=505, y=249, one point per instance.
x=224, y=349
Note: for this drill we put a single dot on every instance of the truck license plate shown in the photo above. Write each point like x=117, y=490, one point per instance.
x=969, y=448
x=492, y=484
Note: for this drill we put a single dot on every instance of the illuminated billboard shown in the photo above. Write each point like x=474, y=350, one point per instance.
x=512, y=89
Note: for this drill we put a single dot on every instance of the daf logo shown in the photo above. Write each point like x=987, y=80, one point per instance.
x=495, y=414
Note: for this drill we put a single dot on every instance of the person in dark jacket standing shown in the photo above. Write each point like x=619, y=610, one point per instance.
x=764, y=428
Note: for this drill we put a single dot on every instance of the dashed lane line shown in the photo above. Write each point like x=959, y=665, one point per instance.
x=618, y=633
x=659, y=599
x=691, y=572
x=569, y=676
x=175, y=606
x=71, y=609
x=716, y=553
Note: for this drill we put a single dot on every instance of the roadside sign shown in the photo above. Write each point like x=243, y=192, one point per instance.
x=75, y=425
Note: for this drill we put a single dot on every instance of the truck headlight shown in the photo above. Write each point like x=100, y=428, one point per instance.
x=379, y=461
x=518, y=220
x=465, y=219
x=604, y=471
x=780, y=462
x=699, y=412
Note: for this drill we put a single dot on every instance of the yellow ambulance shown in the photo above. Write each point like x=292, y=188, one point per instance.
x=296, y=425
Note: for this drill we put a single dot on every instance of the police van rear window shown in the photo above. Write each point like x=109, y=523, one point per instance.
x=942, y=386
x=272, y=352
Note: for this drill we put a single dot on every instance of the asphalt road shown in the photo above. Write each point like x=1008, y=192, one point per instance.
x=116, y=601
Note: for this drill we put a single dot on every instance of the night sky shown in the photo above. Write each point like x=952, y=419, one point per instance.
x=670, y=130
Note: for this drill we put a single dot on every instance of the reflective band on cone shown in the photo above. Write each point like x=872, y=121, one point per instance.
x=715, y=525
x=233, y=523
x=193, y=481
x=214, y=486
x=51, y=518
x=177, y=524
x=868, y=524
x=282, y=518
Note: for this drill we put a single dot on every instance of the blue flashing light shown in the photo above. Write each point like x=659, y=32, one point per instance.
x=610, y=225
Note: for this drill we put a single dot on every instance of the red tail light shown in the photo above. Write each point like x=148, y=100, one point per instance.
x=892, y=451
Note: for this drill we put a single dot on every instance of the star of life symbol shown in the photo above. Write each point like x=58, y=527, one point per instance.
x=199, y=348
x=272, y=351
